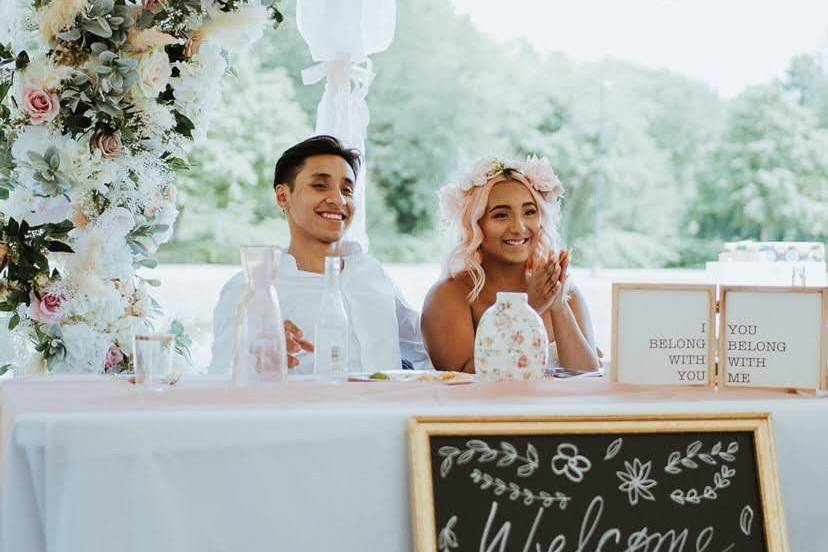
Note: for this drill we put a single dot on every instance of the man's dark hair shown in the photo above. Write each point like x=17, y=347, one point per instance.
x=291, y=162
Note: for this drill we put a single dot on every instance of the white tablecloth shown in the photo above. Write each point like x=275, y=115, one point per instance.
x=100, y=465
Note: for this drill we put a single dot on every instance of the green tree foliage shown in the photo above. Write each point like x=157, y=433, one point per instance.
x=674, y=167
x=767, y=177
x=226, y=197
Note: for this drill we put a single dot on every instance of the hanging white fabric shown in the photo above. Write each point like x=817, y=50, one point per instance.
x=341, y=35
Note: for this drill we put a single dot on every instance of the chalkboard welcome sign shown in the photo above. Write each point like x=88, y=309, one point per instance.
x=684, y=484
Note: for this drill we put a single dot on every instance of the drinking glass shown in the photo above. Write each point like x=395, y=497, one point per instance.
x=152, y=359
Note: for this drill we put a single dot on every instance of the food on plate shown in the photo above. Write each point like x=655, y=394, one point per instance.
x=445, y=377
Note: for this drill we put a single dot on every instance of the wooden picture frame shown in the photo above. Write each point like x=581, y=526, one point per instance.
x=820, y=328
x=423, y=475
x=618, y=366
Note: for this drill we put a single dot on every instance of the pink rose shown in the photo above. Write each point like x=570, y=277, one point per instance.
x=114, y=357
x=46, y=308
x=4, y=253
x=109, y=145
x=42, y=106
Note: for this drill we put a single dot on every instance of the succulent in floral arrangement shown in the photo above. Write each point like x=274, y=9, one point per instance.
x=104, y=20
x=48, y=178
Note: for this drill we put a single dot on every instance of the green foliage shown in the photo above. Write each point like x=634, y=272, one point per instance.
x=658, y=169
x=767, y=177
x=226, y=196
x=27, y=260
x=183, y=342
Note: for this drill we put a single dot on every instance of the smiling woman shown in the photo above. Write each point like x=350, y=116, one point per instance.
x=505, y=214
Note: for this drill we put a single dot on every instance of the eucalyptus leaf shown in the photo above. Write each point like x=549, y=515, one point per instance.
x=98, y=47
x=70, y=36
x=97, y=27
x=106, y=56
x=147, y=263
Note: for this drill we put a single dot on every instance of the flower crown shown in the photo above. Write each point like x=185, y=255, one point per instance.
x=534, y=171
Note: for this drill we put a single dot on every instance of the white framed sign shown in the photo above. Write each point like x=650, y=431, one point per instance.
x=663, y=334
x=773, y=337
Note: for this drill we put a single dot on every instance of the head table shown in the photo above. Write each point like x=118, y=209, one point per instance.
x=97, y=464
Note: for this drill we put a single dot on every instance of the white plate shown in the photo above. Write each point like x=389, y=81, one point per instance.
x=423, y=376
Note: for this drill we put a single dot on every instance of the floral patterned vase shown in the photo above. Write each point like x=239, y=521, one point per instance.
x=511, y=340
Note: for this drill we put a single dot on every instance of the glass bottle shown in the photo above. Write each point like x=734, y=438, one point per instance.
x=331, y=331
x=511, y=340
x=259, y=349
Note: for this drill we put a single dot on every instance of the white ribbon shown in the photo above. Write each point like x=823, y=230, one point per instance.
x=343, y=112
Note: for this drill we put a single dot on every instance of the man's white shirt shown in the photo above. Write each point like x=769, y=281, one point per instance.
x=384, y=328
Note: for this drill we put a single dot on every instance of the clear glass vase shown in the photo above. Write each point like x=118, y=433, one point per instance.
x=259, y=350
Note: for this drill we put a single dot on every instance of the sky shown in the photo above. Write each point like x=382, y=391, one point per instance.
x=730, y=44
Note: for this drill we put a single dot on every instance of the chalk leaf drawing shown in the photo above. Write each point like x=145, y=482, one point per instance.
x=721, y=480
x=568, y=462
x=636, y=482
x=676, y=461
x=613, y=449
x=746, y=520
x=506, y=456
x=513, y=491
x=446, y=540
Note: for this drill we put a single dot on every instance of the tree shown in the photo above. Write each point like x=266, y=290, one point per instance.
x=227, y=194
x=767, y=178
x=807, y=80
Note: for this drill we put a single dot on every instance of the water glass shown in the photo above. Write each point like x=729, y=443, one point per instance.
x=152, y=358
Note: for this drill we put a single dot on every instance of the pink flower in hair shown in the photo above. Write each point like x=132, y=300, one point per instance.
x=539, y=172
x=534, y=171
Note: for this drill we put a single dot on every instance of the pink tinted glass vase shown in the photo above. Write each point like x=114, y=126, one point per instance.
x=259, y=349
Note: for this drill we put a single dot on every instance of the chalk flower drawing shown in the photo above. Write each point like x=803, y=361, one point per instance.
x=721, y=479
x=746, y=519
x=675, y=461
x=613, y=449
x=506, y=456
x=568, y=462
x=447, y=540
x=500, y=487
x=636, y=481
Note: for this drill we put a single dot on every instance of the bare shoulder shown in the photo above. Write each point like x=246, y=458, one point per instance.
x=447, y=293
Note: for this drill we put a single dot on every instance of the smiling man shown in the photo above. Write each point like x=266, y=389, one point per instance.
x=314, y=183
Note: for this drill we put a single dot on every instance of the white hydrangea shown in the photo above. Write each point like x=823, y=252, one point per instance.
x=23, y=205
x=85, y=347
x=97, y=301
x=195, y=89
x=101, y=250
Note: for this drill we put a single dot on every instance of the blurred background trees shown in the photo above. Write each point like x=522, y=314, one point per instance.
x=662, y=167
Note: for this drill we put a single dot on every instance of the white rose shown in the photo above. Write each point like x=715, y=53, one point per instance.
x=85, y=350
x=154, y=72
x=48, y=210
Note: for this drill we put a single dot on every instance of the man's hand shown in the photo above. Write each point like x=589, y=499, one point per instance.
x=295, y=343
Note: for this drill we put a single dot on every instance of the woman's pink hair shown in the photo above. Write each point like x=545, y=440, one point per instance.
x=465, y=257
